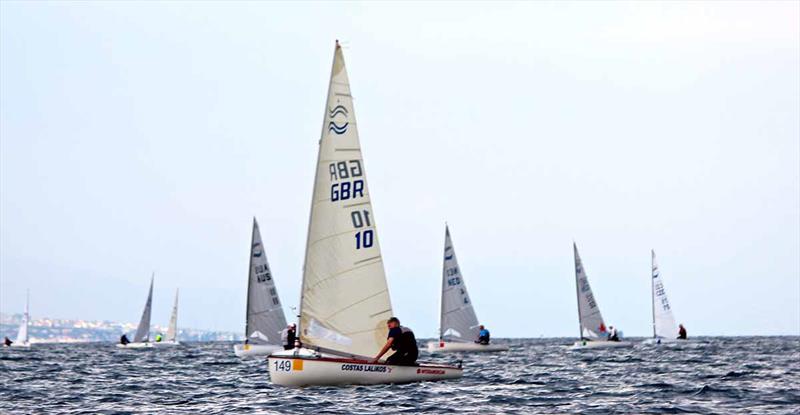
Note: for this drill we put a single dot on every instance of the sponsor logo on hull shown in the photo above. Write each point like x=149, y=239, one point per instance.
x=430, y=371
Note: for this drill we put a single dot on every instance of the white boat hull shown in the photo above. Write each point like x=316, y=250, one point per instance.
x=453, y=347
x=135, y=345
x=246, y=351
x=599, y=344
x=663, y=340
x=166, y=344
x=21, y=345
x=290, y=369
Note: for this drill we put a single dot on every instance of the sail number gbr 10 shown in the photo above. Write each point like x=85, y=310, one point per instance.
x=347, y=183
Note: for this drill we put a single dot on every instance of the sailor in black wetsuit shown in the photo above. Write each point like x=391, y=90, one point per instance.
x=124, y=340
x=681, y=332
x=402, y=341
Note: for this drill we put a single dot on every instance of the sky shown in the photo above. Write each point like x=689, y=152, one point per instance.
x=140, y=137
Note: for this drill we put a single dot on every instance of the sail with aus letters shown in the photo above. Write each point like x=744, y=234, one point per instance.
x=265, y=318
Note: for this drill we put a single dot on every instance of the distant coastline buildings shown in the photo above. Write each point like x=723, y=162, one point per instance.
x=51, y=330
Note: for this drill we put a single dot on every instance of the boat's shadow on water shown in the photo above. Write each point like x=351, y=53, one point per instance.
x=715, y=375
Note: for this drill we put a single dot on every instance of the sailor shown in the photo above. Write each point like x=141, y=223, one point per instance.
x=483, y=335
x=7, y=342
x=681, y=332
x=288, y=336
x=400, y=339
x=124, y=340
x=612, y=335
x=158, y=337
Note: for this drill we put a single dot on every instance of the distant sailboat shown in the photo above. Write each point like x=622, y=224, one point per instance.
x=142, y=337
x=171, y=338
x=664, y=328
x=458, y=323
x=344, y=301
x=23, y=340
x=265, y=318
x=593, y=332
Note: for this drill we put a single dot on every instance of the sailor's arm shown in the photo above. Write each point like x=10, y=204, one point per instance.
x=386, y=347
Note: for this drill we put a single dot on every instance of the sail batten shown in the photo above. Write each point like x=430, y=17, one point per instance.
x=344, y=297
x=458, y=320
x=663, y=320
x=265, y=318
x=591, y=321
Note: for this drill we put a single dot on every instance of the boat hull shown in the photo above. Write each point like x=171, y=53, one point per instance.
x=455, y=347
x=600, y=344
x=21, y=345
x=135, y=345
x=248, y=351
x=166, y=344
x=662, y=340
x=298, y=370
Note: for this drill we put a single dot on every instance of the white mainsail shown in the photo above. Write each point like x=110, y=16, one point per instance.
x=591, y=322
x=458, y=320
x=265, y=318
x=143, y=331
x=663, y=321
x=344, y=299
x=22, y=334
x=172, y=330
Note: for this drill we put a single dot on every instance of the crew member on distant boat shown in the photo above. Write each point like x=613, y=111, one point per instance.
x=124, y=340
x=400, y=339
x=681, y=332
x=7, y=342
x=158, y=337
x=483, y=335
x=613, y=336
x=289, y=336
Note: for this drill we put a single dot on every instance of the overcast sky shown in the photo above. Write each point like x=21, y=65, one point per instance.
x=140, y=137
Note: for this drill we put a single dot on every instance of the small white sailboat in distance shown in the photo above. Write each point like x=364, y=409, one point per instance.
x=171, y=339
x=593, y=331
x=142, y=337
x=265, y=319
x=23, y=338
x=665, y=330
x=458, y=323
x=344, y=300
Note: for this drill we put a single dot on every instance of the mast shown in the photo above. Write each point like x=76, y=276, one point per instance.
x=27, y=313
x=653, y=288
x=249, y=271
x=577, y=291
x=441, y=293
x=314, y=192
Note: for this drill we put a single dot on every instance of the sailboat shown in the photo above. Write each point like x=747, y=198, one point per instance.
x=664, y=328
x=142, y=337
x=458, y=324
x=592, y=328
x=265, y=319
x=23, y=339
x=171, y=338
x=344, y=300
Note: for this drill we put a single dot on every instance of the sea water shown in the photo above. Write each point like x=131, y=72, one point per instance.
x=757, y=375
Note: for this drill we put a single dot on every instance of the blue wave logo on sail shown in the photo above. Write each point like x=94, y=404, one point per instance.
x=257, y=252
x=333, y=113
x=339, y=109
x=449, y=256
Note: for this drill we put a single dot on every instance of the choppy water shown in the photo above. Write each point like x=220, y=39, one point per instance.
x=714, y=375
